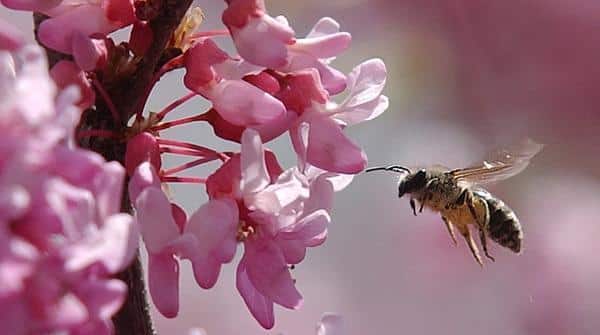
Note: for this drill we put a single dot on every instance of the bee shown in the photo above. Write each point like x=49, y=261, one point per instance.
x=461, y=201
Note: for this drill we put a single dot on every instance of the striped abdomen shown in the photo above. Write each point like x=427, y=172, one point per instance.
x=503, y=226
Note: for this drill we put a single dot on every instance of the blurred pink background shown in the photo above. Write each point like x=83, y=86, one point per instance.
x=464, y=77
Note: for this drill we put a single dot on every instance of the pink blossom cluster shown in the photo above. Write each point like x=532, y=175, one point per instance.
x=62, y=238
x=277, y=84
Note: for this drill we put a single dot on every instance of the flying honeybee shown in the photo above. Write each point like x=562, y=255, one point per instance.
x=461, y=201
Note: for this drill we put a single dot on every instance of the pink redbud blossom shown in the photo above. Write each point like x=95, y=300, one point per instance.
x=281, y=213
x=89, y=53
x=237, y=101
x=24, y=79
x=62, y=238
x=10, y=37
x=258, y=37
x=65, y=73
x=297, y=91
x=317, y=50
x=207, y=239
x=68, y=18
x=318, y=138
x=143, y=147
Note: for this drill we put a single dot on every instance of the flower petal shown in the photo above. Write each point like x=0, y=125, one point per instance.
x=143, y=176
x=329, y=149
x=206, y=270
x=154, y=214
x=163, y=283
x=269, y=273
x=214, y=223
x=364, y=102
x=254, y=170
x=243, y=104
x=259, y=305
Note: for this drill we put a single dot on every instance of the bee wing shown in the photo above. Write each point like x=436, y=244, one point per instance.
x=499, y=164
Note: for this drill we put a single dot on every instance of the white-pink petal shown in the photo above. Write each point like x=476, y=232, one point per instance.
x=144, y=176
x=253, y=166
x=243, y=104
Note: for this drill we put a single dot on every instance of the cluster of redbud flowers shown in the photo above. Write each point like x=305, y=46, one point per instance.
x=62, y=237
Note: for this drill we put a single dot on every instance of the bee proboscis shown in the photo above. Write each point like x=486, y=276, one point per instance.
x=458, y=196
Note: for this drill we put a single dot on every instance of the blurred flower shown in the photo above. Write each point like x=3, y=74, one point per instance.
x=62, y=235
x=331, y=324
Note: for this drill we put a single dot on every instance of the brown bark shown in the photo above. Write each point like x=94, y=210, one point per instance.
x=126, y=94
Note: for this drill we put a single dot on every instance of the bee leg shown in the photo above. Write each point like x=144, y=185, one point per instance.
x=483, y=240
x=482, y=229
x=422, y=204
x=413, y=206
x=450, y=228
x=464, y=230
x=468, y=198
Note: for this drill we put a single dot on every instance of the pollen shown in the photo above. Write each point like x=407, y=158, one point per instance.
x=245, y=230
x=189, y=24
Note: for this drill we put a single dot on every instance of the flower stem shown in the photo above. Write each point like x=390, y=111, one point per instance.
x=174, y=179
x=174, y=105
x=109, y=103
x=169, y=124
x=198, y=148
x=188, y=165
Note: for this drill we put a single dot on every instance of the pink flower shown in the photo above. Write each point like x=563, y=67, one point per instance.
x=318, y=137
x=207, y=239
x=317, y=50
x=142, y=148
x=258, y=37
x=269, y=42
x=89, y=53
x=67, y=73
x=62, y=236
x=236, y=101
x=10, y=38
x=24, y=78
x=68, y=18
x=281, y=214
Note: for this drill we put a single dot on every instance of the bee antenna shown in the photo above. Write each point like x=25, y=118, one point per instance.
x=393, y=168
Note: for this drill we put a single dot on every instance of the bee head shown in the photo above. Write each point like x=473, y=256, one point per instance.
x=412, y=182
x=409, y=183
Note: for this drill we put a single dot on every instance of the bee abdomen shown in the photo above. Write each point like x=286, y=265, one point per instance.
x=503, y=226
